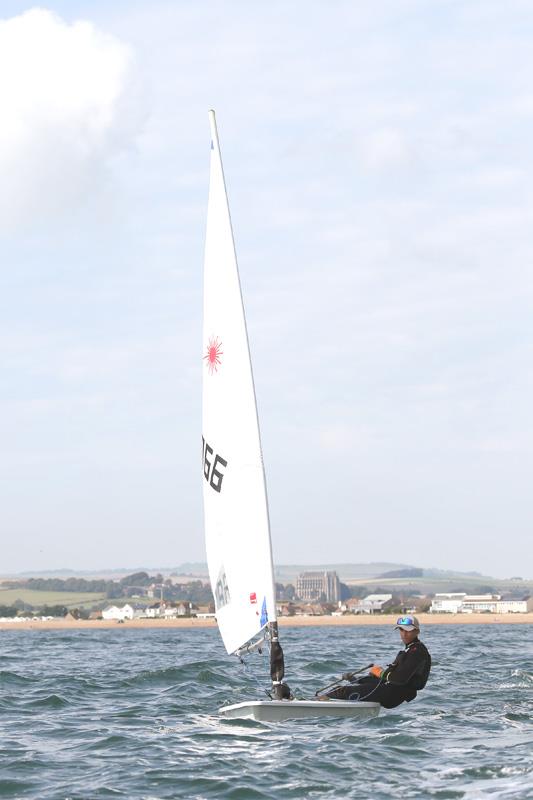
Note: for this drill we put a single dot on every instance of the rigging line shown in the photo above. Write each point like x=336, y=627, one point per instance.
x=250, y=674
x=346, y=676
x=365, y=698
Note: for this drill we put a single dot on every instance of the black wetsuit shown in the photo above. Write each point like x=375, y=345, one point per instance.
x=399, y=682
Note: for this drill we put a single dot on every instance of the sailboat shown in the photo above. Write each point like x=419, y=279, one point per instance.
x=237, y=529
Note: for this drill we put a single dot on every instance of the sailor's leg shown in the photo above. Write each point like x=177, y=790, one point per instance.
x=386, y=694
x=355, y=691
x=391, y=696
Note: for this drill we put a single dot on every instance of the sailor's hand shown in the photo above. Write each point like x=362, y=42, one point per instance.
x=376, y=671
x=347, y=676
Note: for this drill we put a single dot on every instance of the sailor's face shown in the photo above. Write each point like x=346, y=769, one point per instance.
x=408, y=636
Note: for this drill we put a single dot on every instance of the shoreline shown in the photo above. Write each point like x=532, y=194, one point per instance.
x=284, y=622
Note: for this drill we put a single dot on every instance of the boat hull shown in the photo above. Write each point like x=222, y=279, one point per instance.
x=279, y=710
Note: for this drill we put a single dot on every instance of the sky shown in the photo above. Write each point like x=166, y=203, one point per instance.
x=380, y=176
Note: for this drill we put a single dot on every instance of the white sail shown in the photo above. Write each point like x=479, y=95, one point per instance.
x=239, y=552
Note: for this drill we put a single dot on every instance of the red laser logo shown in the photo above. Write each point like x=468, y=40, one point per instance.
x=212, y=357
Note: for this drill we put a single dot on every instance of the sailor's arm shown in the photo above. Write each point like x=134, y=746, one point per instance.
x=407, y=664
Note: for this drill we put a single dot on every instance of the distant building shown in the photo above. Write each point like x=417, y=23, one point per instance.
x=285, y=608
x=480, y=603
x=184, y=609
x=206, y=611
x=461, y=603
x=318, y=586
x=316, y=610
x=447, y=603
x=152, y=611
x=114, y=612
x=375, y=604
x=352, y=605
x=514, y=605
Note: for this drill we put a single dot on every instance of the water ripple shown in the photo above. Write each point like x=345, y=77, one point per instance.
x=133, y=714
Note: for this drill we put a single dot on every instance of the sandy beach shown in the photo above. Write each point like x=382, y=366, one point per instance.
x=385, y=619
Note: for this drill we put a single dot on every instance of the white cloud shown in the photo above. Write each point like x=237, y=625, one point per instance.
x=387, y=148
x=67, y=107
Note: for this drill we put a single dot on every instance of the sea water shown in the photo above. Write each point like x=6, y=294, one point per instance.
x=132, y=713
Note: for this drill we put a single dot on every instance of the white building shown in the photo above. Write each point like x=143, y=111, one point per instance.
x=514, y=605
x=480, y=603
x=114, y=612
x=153, y=611
x=352, y=606
x=447, y=603
x=459, y=602
x=374, y=604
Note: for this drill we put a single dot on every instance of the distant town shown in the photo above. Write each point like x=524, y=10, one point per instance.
x=363, y=589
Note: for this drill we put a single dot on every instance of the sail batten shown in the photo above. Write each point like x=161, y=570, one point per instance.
x=237, y=529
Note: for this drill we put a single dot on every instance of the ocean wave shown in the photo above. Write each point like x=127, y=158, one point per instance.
x=138, y=717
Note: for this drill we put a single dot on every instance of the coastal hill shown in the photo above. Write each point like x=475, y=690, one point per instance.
x=287, y=573
x=389, y=577
x=372, y=577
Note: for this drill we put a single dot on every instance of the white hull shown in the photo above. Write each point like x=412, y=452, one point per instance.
x=279, y=710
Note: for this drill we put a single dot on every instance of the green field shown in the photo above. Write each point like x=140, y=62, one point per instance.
x=39, y=599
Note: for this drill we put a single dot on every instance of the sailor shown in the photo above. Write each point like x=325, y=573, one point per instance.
x=398, y=682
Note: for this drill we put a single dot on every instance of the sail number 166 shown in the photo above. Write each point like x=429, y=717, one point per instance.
x=212, y=466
